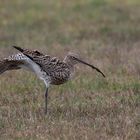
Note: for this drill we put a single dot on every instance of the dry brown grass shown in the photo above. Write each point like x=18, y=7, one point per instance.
x=105, y=33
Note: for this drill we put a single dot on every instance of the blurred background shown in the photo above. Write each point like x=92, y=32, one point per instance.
x=105, y=33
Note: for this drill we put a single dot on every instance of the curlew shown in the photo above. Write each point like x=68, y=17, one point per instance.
x=51, y=70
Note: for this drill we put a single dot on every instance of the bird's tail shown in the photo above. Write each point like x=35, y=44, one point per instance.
x=18, y=48
x=23, y=51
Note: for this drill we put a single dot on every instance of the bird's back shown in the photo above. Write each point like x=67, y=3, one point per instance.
x=57, y=70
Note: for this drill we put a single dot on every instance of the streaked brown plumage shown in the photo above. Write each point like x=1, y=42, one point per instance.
x=50, y=69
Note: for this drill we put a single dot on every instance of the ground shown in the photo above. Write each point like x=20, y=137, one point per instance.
x=105, y=33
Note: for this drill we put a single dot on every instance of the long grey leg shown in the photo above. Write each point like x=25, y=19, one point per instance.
x=46, y=100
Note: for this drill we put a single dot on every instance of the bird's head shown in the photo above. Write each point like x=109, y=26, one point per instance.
x=72, y=58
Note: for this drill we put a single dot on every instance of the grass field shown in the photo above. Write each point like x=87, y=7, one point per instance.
x=105, y=33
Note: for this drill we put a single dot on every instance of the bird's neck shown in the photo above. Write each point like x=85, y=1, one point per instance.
x=69, y=63
x=71, y=67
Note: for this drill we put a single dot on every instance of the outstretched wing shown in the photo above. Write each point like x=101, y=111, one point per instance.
x=20, y=60
x=12, y=62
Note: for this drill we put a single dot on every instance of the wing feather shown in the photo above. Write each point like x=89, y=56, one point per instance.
x=12, y=63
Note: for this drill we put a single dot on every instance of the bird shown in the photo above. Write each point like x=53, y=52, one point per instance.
x=51, y=70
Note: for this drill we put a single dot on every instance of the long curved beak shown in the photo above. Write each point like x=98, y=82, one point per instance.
x=81, y=61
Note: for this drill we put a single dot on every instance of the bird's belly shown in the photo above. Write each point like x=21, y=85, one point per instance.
x=32, y=66
x=42, y=75
x=58, y=82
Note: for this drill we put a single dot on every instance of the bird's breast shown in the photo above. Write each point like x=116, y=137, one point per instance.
x=60, y=77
